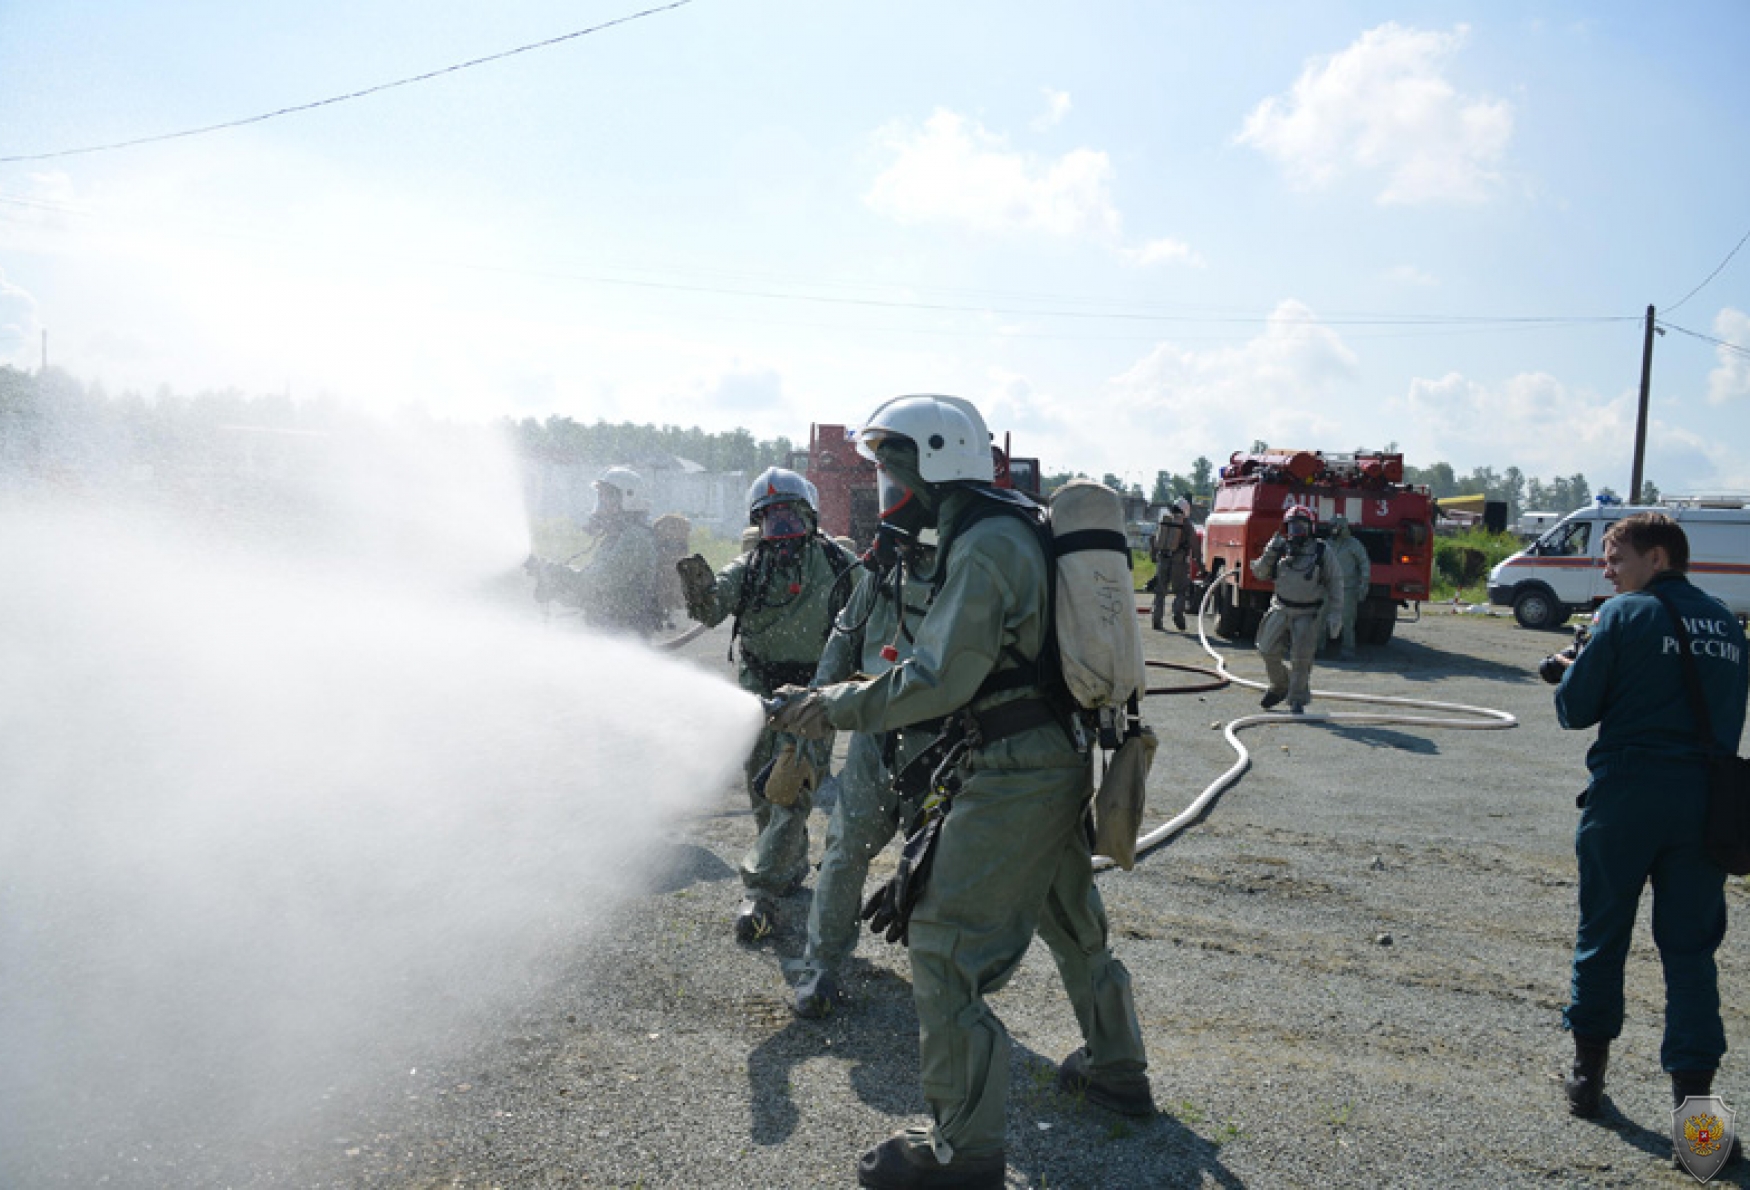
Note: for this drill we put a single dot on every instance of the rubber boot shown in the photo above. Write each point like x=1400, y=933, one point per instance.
x=1585, y=1082
x=1690, y=1084
x=755, y=919
x=817, y=996
x=1126, y=1094
x=900, y=1164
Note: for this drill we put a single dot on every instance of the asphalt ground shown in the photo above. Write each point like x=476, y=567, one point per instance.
x=1349, y=972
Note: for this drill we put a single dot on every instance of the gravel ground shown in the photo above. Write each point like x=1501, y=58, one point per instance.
x=1349, y=972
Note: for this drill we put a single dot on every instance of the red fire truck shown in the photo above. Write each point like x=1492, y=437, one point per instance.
x=845, y=479
x=1394, y=520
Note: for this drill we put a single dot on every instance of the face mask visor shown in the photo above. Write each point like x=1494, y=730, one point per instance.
x=900, y=507
x=782, y=522
x=609, y=500
x=1297, y=529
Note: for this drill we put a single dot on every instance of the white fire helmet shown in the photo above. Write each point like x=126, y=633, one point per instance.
x=951, y=437
x=1298, y=522
x=628, y=483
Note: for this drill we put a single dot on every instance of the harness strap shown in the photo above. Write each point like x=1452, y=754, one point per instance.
x=1011, y=719
x=1092, y=539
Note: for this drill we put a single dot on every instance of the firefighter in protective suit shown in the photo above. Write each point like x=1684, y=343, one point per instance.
x=1011, y=857
x=781, y=596
x=617, y=588
x=870, y=635
x=1307, y=604
x=1351, y=558
x=1174, y=542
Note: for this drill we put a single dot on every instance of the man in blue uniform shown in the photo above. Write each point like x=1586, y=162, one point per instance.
x=1645, y=808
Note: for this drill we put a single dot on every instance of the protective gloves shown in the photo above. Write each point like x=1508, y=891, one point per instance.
x=697, y=584
x=1334, y=626
x=1264, y=565
x=790, y=773
x=888, y=910
x=802, y=714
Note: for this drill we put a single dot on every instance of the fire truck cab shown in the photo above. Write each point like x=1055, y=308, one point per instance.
x=1392, y=519
x=849, y=505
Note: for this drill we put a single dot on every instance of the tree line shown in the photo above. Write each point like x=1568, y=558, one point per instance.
x=560, y=439
x=51, y=418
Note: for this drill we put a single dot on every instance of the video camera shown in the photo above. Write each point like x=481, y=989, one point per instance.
x=1551, y=669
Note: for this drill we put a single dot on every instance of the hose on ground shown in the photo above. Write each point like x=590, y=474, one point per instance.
x=1476, y=719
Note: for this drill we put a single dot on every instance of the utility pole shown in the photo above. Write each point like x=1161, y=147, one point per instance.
x=1634, y=483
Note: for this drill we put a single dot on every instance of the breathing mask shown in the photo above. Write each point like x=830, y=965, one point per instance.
x=783, y=522
x=907, y=503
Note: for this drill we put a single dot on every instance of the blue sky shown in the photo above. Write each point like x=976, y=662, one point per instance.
x=1133, y=233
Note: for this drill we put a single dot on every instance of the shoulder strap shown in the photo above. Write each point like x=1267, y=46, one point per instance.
x=1040, y=671
x=836, y=557
x=1691, y=674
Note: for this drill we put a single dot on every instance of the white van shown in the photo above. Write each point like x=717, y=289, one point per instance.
x=1532, y=525
x=1562, y=573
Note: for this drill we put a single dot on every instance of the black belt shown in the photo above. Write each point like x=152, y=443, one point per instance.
x=1011, y=719
x=1292, y=603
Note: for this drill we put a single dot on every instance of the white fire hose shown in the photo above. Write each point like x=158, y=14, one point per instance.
x=1479, y=719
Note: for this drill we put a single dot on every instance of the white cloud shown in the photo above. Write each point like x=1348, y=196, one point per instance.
x=1178, y=402
x=954, y=171
x=1384, y=107
x=1547, y=429
x=1165, y=251
x=1409, y=274
x=1730, y=379
x=1057, y=106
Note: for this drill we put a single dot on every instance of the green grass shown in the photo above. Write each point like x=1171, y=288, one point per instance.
x=1449, y=562
x=1141, y=569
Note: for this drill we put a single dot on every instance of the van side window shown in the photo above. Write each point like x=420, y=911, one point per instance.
x=1571, y=544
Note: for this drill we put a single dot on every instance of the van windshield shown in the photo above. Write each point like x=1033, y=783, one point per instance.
x=1566, y=541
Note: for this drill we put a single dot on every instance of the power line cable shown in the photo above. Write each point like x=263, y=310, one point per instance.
x=1732, y=347
x=304, y=107
x=1709, y=277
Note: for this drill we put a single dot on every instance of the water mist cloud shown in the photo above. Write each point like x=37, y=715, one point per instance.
x=276, y=825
